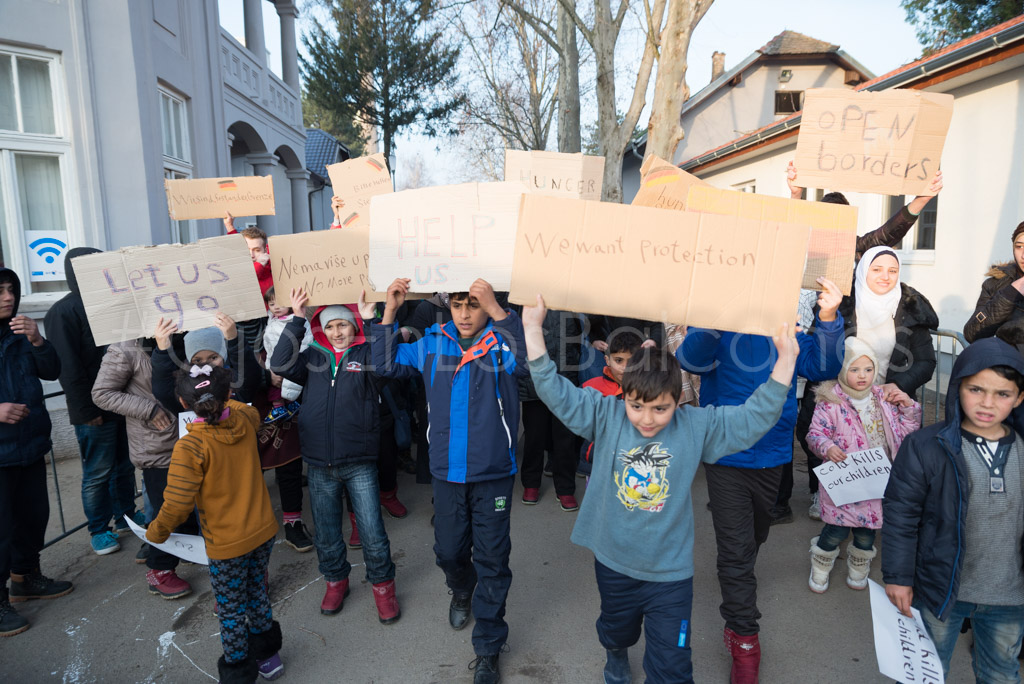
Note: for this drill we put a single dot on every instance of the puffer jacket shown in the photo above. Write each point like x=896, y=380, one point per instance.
x=124, y=386
x=1000, y=308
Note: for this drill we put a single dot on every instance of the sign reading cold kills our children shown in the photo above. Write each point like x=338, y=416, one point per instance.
x=664, y=185
x=861, y=477
x=904, y=650
x=127, y=291
x=707, y=270
x=889, y=142
x=330, y=264
x=203, y=198
x=356, y=181
x=444, y=238
x=556, y=174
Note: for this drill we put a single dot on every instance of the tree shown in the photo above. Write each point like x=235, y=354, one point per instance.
x=345, y=130
x=384, y=64
x=942, y=22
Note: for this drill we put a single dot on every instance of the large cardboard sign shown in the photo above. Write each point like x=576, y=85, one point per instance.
x=202, y=198
x=330, y=264
x=556, y=174
x=888, y=142
x=707, y=270
x=833, y=244
x=127, y=291
x=861, y=477
x=904, y=650
x=664, y=185
x=356, y=181
x=445, y=237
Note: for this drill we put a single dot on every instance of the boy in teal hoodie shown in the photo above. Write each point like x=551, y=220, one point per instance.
x=646, y=452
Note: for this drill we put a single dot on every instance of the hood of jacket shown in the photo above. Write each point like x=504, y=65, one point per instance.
x=7, y=275
x=69, y=268
x=1007, y=269
x=320, y=337
x=984, y=353
x=231, y=430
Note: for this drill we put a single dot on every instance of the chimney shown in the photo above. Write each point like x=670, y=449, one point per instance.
x=717, y=64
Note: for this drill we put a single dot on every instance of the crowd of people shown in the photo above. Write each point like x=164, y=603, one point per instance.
x=354, y=392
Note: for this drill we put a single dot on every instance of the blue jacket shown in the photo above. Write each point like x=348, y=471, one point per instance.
x=22, y=365
x=732, y=366
x=925, y=504
x=472, y=397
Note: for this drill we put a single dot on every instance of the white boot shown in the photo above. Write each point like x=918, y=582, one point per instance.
x=821, y=565
x=814, y=511
x=858, y=565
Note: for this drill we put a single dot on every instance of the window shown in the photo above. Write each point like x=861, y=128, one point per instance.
x=746, y=186
x=26, y=96
x=788, y=101
x=177, y=154
x=921, y=237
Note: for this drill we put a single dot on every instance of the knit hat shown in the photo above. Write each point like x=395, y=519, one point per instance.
x=209, y=339
x=854, y=349
x=336, y=312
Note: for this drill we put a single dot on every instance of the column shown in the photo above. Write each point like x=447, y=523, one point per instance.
x=254, y=38
x=262, y=164
x=289, y=52
x=300, y=200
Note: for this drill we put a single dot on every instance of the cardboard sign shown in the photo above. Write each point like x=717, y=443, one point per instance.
x=861, y=477
x=888, y=142
x=185, y=418
x=708, y=270
x=556, y=174
x=330, y=264
x=833, y=244
x=356, y=181
x=127, y=291
x=904, y=650
x=190, y=547
x=446, y=237
x=664, y=185
x=202, y=198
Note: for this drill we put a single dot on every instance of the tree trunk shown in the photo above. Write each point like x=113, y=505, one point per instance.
x=568, y=85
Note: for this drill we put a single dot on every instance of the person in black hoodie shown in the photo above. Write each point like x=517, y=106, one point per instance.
x=108, y=477
x=25, y=358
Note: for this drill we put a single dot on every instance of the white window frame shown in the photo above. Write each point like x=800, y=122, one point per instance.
x=746, y=186
x=911, y=254
x=180, y=231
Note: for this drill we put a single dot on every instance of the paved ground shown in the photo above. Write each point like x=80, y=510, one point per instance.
x=111, y=630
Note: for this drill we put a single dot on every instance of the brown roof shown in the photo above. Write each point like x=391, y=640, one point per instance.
x=793, y=43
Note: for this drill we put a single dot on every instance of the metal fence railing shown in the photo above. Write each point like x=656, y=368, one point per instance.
x=948, y=345
x=65, y=532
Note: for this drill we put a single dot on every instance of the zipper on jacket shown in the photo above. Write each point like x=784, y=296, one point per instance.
x=501, y=412
x=959, y=516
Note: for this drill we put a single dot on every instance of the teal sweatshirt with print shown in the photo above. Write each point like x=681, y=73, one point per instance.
x=637, y=515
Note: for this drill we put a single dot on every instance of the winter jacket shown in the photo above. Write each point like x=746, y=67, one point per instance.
x=275, y=326
x=1000, y=308
x=472, y=396
x=732, y=366
x=837, y=423
x=68, y=331
x=124, y=386
x=563, y=336
x=244, y=383
x=889, y=234
x=925, y=504
x=340, y=418
x=22, y=366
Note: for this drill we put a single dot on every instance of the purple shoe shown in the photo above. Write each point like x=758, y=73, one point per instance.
x=272, y=667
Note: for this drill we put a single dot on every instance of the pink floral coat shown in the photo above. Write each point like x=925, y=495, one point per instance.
x=837, y=423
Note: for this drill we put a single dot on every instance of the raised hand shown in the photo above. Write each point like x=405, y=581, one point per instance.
x=367, y=310
x=795, y=191
x=226, y=325
x=828, y=300
x=788, y=349
x=482, y=291
x=164, y=329
x=299, y=297
x=533, y=316
x=229, y=222
x=23, y=325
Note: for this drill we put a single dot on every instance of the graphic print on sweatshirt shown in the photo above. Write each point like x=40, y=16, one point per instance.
x=641, y=480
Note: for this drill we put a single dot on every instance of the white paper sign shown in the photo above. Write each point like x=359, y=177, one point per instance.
x=184, y=418
x=861, y=477
x=185, y=546
x=46, y=250
x=904, y=650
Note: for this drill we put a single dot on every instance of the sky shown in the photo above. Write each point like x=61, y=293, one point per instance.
x=873, y=32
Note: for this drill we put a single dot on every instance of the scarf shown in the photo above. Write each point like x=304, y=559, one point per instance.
x=854, y=349
x=876, y=313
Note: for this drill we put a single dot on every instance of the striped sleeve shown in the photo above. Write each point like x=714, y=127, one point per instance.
x=183, y=481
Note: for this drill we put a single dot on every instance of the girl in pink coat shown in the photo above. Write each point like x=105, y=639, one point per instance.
x=853, y=414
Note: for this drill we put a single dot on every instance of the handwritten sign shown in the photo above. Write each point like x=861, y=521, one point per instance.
x=887, y=142
x=556, y=174
x=330, y=264
x=185, y=418
x=830, y=253
x=861, y=477
x=356, y=181
x=127, y=291
x=904, y=650
x=709, y=270
x=664, y=185
x=189, y=547
x=446, y=237
x=201, y=198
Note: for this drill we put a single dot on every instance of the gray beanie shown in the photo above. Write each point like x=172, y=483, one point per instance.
x=210, y=339
x=335, y=312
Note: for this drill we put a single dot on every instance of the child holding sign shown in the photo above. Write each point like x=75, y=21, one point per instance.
x=853, y=414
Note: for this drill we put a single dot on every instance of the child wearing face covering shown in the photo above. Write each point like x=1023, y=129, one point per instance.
x=853, y=414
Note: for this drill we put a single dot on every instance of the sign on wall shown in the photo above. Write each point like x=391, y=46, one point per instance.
x=46, y=251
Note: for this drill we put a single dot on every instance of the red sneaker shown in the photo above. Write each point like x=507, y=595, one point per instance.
x=353, y=540
x=334, y=597
x=746, y=657
x=167, y=584
x=387, y=604
x=568, y=503
x=391, y=504
x=531, y=495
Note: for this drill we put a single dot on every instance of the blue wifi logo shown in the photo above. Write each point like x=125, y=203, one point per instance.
x=48, y=248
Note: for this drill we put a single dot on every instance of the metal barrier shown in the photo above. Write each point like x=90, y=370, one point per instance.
x=65, y=532
x=955, y=343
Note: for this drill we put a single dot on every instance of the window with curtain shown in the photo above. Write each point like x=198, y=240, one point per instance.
x=26, y=95
x=177, y=153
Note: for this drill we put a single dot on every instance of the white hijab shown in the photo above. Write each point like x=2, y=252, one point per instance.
x=875, y=312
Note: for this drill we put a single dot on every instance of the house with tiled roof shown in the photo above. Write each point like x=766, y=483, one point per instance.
x=322, y=149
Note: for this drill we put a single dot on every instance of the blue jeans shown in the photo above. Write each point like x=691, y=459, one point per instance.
x=108, y=476
x=997, y=637
x=833, y=535
x=326, y=486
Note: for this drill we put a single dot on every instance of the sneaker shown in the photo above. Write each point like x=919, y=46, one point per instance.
x=458, y=610
x=815, y=510
x=295, y=536
x=531, y=495
x=35, y=585
x=568, y=503
x=167, y=584
x=121, y=527
x=104, y=543
x=142, y=555
x=485, y=669
x=11, y=622
x=272, y=667
x=391, y=504
x=781, y=515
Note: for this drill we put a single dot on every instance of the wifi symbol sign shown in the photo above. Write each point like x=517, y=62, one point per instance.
x=48, y=248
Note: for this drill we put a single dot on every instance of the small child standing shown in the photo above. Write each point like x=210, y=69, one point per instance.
x=215, y=468
x=620, y=350
x=854, y=414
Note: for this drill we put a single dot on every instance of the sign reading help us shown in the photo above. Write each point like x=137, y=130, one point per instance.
x=904, y=650
x=861, y=477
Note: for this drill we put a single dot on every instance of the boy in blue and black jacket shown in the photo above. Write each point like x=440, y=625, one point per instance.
x=470, y=367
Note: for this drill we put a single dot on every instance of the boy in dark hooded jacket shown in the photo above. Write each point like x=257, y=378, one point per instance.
x=954, y=515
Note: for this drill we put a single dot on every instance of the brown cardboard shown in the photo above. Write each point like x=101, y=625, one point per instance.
x=356, y=181
x=664, y=185
x=556, y=174
x=887, y=142
x=708, y=270
x=202, y=198
x=833, y=244
x=127, y=291
x=330, y=264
